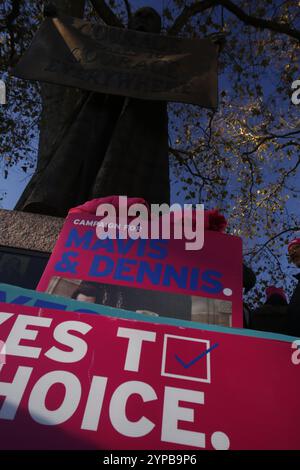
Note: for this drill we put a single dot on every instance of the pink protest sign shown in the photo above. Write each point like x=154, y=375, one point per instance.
x=157, y=277
x=83, y=381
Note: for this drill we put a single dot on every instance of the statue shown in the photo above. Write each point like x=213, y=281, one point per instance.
x=116, y=144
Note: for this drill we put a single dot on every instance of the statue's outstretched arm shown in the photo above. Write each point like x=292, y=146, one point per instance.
x=106, y=14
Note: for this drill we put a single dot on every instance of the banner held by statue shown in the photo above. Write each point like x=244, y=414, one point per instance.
x=73, y=52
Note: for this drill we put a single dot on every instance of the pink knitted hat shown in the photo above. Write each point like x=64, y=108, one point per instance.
x=294, y=242
x=272, y=290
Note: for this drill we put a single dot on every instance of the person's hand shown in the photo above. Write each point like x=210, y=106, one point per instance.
x=147, y=312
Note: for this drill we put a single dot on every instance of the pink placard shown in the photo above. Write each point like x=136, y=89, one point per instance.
x=214, y=272
x=82, y=381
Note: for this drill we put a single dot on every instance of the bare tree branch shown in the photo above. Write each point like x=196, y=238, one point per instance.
x=280, y=184
x=196, y=173
x=198, y=7
x=188, y=12
x=106, y=14
x=269, y=137
x=276, y=260
x=291, y=229
x=259, y=22
x=128, y=9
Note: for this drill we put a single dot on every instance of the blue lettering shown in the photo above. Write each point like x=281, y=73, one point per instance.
x=107, y=268
x=86, y=310
x=141, y=247
x=194, y=278
x=47, y=304
x=215, y=285
x=20, y=300
x=66, y=265
x=161, y=248
x=153, y=275
x=121, y=268
x=180, y=278
x=2, y=296
x=76, y=240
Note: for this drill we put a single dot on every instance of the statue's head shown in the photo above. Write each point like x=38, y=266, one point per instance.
x=145, y=19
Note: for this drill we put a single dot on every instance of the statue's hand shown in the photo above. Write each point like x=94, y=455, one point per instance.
x=219, y=39
x=50, y=10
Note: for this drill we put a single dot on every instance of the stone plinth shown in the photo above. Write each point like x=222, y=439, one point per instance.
x=29, y=231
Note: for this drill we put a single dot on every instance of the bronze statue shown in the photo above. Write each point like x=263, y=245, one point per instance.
x=116, y=140
x=111, y=145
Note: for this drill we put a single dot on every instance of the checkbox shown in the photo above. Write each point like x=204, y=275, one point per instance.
x=186, y=358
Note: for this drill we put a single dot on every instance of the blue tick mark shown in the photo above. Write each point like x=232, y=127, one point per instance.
x=191, y=363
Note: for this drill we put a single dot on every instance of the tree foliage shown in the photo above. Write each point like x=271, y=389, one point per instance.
x=243, y=158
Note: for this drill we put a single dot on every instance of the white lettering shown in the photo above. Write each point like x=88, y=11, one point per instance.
x=136, y=338
x=37, y=406
x=4, y=316
x=79, y=346
x=117, y=409
x=296, y=354
x=172, y=413
x=19, y=332
x=13, y=392
x=94, y=404
x=296, y=93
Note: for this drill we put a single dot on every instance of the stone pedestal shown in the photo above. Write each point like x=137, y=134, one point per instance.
x=26, y=242
x=29, y=231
